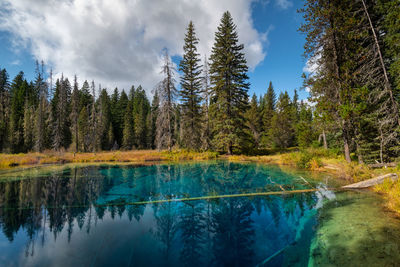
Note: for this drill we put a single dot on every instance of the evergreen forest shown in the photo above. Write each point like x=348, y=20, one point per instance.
x=353, y=106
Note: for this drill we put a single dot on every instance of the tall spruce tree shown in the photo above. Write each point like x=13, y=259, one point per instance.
x=268, y=111
x=304, y=130
x=141, y=108
x=206, y=129
x=155, y=105
x=228, y=75
x=60, y=113
x=254, y=121
x=42, y=131
x=282, y=127
x=333, y=44
x=128, y=140
x=74, y=116
x=18, y=94
x=4, y=108
x=191, y=91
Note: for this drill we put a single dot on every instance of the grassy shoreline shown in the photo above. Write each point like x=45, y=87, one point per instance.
x=315, y=160
x=9, y=161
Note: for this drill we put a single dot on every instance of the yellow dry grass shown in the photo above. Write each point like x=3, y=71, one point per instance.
x=391, y=192
x=134, y=156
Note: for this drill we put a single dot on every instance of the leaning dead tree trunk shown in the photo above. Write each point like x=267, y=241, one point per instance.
x=386, y=77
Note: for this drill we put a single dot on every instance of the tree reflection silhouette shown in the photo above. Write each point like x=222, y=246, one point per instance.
x=74, y=199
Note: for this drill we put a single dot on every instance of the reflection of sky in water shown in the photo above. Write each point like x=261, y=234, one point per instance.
x=72, y=223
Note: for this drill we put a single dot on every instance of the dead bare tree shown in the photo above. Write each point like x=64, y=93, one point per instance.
x=167, y=93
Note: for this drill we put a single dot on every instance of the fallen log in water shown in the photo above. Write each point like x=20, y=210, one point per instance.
x=373, y=181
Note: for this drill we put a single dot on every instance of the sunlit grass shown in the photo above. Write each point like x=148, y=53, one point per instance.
x=391, y=192
x=135, y=156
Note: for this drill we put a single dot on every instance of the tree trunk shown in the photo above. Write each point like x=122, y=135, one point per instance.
x=381, y=144
x=324, y=139
x=229, y=149
x=387, y=82
x=359, y=155
x=346, y=143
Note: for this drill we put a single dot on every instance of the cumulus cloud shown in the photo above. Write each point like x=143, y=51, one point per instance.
x=120, y=42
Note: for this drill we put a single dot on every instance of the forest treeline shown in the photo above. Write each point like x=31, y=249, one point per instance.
x=354, y=46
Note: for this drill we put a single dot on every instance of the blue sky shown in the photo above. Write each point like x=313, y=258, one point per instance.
x=269, y=25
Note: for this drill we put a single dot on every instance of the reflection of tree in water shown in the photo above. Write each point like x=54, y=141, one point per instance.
x=222, y=228
x=167, y=227
x=53, y=201
x=165, y=213
x=234, y=233
x=192, y=226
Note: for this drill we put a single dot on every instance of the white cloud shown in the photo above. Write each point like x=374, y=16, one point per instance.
x=312, y=64
x=284, y=4
x=16, y=62
x=119, y=42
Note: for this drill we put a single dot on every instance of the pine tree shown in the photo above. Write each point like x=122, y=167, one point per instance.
x=28, y=127
x=103, y=132
x=74, y=116
x=268, y=111
x=114, y=109
x=141, y=108
x=18, y=95
x=253, y=119
x=334, y=45
x=206, y=129
x=167, y=93
x=60, y=113
x=229, y=84
x=304, y=131
x=128, y=132
x=42, y=113
x=4, y=108
x=190, y=91
x=97, y=131
x=84, y=130
x=282, y=127
x=155, y=105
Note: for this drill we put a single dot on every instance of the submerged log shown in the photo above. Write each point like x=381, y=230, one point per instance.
x=373, y=181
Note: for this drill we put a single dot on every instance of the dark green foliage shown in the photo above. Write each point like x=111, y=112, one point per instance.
x=75, y=115
x=268, y=102
x=304, y=131
x=355, y=89
x=104, y=131
x=128, y=140
x=19, y=92
x=60, y=110
x=4, y=108
x=282, y=131
x=84, y=130
x=155, y=105
x=254, y=121
x=228, y=75
x=141, y=109
x=190, y=92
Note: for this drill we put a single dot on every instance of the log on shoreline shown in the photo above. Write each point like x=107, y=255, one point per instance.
x=382, y=165
x=372, y=182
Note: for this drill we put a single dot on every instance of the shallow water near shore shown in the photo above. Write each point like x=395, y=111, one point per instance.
x=93, y=216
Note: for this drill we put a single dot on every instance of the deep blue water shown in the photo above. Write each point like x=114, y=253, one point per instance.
x=87, y=216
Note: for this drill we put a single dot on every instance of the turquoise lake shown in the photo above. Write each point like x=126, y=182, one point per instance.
x=95, y=216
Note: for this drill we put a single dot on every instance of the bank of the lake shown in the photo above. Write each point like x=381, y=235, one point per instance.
x=314, y=160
